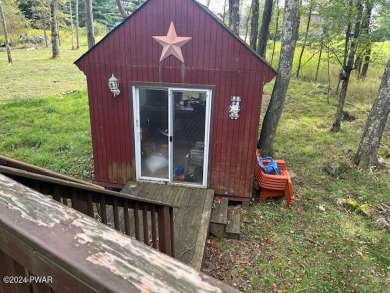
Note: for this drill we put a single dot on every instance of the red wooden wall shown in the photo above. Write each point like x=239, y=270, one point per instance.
x=213, y=57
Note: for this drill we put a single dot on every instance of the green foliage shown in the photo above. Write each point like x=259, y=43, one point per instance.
x=40, y=16
x=99, y=29
x=17, y=24
x=382, y=25
x=38, y=12
x=106, y=13
x=331, y=20
x=131, y=5
x=367, y=89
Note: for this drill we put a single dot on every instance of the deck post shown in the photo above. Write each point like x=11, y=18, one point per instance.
x=164, y=231
x=77, y=203
x=172, y=224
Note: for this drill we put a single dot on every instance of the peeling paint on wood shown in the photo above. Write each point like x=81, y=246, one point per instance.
x=10, y=192
x=135, y=267
x=72, y=246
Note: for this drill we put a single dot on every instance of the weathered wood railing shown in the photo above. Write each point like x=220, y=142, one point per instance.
x=153, y=225
x=48, y=247
x=9, y=162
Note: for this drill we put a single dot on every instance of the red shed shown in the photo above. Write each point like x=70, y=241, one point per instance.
x=187, y=108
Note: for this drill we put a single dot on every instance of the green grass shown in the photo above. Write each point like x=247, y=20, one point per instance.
x=51, y=132
x=34, y=74
x=44, y=116
x=315, y=246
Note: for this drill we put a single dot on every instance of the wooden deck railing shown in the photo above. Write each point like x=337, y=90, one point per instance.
x=48, y=247
x=146, y=220
x=9, y=162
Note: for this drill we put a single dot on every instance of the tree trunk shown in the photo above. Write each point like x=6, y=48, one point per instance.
x=77, y=25
x=264, y=30
x=58, y=32
x=345, y=75
x=358, y=66
x=328, y=70
x=121, y=9
x=247, y=25
x=54, y=29
x=367, y=153
x=89, y=23
x=276, y=31
x=366, y=62
x=319, y=62
x=254, y=24
x=305, y=39
x=224, y=12
x=5, y=34
x=343, y=93
x=275, y=108
x=234, y=16
x=366, y=30
x=71, y=22
x=45, y=35
x=346, y=43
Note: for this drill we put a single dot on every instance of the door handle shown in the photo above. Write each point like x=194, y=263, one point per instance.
x=171, y=138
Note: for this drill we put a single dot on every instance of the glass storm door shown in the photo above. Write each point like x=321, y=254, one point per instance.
x=172, y=134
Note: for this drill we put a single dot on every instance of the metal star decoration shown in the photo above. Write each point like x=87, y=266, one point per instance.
x=171, y=44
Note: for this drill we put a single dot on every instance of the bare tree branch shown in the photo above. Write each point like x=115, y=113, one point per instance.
x=121, y=9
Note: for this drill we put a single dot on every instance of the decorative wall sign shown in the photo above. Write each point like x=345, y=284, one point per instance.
x=171, y=44
x=234, y=112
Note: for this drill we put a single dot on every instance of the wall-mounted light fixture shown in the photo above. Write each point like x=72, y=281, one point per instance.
x=234, y=111
x=113, y=84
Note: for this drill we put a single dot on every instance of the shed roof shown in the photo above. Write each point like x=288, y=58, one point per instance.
x=200, y=6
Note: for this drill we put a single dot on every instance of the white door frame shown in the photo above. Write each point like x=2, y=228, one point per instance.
x=137, y=132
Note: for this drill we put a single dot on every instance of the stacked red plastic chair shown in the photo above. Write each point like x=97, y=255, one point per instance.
x=273, y=185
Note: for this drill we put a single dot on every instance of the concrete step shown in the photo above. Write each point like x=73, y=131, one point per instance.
x=233, y=229
x=219, y=218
